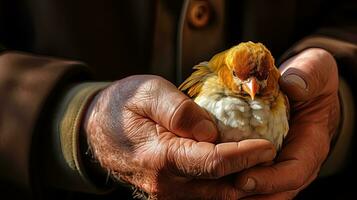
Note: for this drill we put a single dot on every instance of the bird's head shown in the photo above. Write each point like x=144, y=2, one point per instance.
x=250, y=70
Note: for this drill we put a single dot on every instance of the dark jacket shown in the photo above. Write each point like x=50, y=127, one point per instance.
x=61, y=43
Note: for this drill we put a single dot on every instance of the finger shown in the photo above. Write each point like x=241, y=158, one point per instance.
x=298, y=162
x=190, y=120
x=281, y=195
x=179, y=114
x=309, y=74
x=276, y=196
x=206, y=160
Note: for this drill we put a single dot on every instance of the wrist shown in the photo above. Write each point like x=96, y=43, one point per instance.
x=93, y=168
x=97, y=148
x=73, y=173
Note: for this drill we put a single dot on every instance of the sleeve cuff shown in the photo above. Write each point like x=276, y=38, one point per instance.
x=344, y=52
x=71, y=174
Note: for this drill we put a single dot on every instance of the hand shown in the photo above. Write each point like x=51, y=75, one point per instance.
x=310, y=79
x=133, y=128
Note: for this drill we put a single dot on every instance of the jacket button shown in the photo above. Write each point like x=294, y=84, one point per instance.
x=199, y=13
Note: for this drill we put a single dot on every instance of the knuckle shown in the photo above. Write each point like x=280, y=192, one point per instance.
x=150, y=86
x=157, y=83
x=244, y=162
x=176, y=160
x=155, y=80
x=214, y=167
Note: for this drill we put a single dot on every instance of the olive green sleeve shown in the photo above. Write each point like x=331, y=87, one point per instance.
x=67, y=169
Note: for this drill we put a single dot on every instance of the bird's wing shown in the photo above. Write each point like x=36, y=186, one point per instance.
x=193, y=83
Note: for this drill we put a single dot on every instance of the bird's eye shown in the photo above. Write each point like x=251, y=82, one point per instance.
x=262, y=75
x=234, y=74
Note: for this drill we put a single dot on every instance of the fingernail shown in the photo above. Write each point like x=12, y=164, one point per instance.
x=205, y=130
x=249, y=185
x=296, y=80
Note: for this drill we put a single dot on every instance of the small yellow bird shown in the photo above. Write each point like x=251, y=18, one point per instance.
x=240, y=88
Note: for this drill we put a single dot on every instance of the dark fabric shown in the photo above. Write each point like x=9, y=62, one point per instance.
x=26, y=81
x=120, y=38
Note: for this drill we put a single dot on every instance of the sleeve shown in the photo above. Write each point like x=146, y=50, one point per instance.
x=342, y=44
x=62, y=152
x=42, y=100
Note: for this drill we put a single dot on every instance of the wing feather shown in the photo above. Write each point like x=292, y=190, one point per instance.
x=193, y=84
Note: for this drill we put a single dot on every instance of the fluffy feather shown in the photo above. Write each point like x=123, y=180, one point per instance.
x=221, y=87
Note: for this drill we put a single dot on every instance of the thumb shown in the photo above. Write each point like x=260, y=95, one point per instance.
x=190, y=120
x=309, y=74
x=181, y=115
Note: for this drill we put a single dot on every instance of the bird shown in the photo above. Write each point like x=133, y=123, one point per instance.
x=239, y=87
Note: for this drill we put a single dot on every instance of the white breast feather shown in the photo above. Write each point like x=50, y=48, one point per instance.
x=240, y=118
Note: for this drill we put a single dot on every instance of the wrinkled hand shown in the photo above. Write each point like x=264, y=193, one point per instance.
x=310, y=79
x=133, y=128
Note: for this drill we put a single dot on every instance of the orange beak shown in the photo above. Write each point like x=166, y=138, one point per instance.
x=251, y=87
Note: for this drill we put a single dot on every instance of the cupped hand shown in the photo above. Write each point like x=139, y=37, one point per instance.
x=310, y=79
x=150, y=135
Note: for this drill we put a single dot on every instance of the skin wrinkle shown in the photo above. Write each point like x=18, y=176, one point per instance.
x=170, y=160
x=165, y=162
x=133, y=107
x=245, y=162
x=192, y=165
x=152, y=95
x=173, y=163
x=289, y=194
x=221, y=168
x=291, y=186
x=171, y=126
x=146, y=97
x=215, y=169
x=98, y=151
x=237, y=148
x=144, y=163
x=135, y=126
x=314, y=121
x=191, y=169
